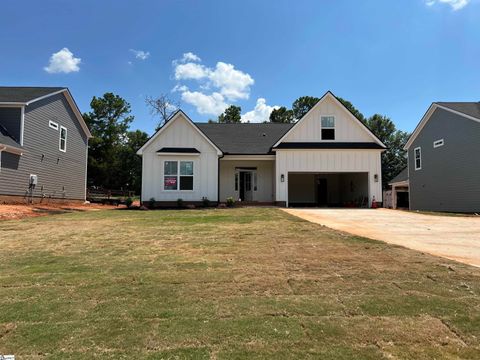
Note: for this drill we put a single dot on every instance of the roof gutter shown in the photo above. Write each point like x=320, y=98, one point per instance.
x=16, y=104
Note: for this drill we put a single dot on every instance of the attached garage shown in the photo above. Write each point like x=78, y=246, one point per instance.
x=341, y=189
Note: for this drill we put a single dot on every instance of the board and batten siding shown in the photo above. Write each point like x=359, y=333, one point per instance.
x=181, y=133
x=60, y=174
x=449, y=178
x=346, y=130
x=265, y=179
x=329, y=161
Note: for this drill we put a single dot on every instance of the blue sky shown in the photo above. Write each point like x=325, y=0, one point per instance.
x=392, y=57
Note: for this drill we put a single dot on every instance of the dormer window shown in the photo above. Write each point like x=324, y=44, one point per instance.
x=328, y=128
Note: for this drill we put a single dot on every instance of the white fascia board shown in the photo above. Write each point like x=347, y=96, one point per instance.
x=45, y=96
x=12, y=104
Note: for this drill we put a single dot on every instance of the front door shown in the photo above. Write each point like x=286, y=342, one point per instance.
x=322, y=197
x=246, y=186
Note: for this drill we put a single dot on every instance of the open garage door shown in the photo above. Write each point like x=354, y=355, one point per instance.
x=328, y=189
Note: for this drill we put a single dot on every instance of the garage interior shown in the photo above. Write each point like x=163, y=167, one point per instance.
x=328, y=190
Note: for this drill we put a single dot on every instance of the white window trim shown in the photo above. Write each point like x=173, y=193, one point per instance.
x=53, y=125
x=415, y=157
x=60, y=139
x=178, y=176
x=438, y=143
x=327, y=127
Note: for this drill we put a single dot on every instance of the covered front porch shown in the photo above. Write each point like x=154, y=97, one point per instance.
x=247, y=178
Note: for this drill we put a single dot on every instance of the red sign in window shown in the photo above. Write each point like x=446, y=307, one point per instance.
x=170, y=183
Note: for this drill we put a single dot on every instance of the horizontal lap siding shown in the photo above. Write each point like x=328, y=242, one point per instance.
x=61, y=174
x=450, y=176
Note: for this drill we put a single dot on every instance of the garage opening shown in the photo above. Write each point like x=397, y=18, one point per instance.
x=328, y=189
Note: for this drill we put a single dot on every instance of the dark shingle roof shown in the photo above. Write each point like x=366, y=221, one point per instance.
x=244, y=139
x=468, y=108
x=403, y=176
x=6, y=139
x=23, y=94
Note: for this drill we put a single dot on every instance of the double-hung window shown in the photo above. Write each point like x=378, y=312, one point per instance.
x=178, y=175
x=328, y=128
x=63, y=139
x=418, y=158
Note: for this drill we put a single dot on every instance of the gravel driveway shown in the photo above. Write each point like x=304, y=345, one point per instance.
x=453, y=237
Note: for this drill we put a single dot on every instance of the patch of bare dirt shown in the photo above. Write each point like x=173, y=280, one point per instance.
x=19, y=211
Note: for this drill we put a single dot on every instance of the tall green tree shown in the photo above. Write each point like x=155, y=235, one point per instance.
x=394, y=159
x=302, y=105
x=282, y=115
x=232, y=114
x=130, y=170
x=352, y=109
x=108, y=122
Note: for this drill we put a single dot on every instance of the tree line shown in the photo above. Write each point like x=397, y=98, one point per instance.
x=114, y=164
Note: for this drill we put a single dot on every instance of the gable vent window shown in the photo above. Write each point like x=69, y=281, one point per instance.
x=438, y=143
x=53, y=125
x=63, y=139
x=418, y=158
x=328, y=128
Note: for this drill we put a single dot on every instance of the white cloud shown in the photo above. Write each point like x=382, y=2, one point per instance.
x=191, y=71
x=233, y=84
x=213, y=104
x=260, y=113
x=215, y=87
x=455, y=4
x=189, y=56
x=140, y=54
x=180, y=88
x=63, y=62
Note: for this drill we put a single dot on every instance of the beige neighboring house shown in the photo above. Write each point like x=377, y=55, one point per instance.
x=399, y=193
x=327, y=158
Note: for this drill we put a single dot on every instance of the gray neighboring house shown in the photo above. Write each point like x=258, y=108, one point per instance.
x=444, y=159
x=43, y=144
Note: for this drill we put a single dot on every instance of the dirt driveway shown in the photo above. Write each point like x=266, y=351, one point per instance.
x=453, y=237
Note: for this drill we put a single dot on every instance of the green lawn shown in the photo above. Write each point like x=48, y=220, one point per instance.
x=247, y=283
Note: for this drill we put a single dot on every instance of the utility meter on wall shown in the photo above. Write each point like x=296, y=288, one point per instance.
x=33, y=180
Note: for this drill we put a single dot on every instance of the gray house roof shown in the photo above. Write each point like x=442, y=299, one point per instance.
x=244, y=138
x=467, y=108
x=7, y=139
x=402, y=176
x=24, y=94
